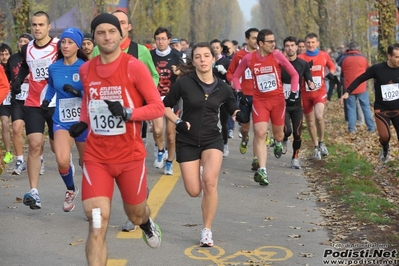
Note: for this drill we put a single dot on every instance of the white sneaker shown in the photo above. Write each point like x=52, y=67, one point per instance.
x=226, y=151
x=384, y=156
x=206, y=238
x=69, y=203
x=285, y=144
x=231, y=134
x=317, y=154
x=128, y=226
x=295, y=163
x=323, y=149
x=154, y=236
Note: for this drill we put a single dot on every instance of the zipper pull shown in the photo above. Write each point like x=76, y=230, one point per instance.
x=206, y=96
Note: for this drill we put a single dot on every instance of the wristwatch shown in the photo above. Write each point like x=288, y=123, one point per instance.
x=127, y=113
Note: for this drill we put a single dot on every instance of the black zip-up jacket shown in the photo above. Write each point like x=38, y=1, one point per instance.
x=199, y=109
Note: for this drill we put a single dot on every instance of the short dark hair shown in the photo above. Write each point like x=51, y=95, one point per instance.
x=300, y=40
x=248, y=32
x=161, y=30
x=392, y=47
x=262, y=34
x=235, y=43
x=4, y=47
x=290, y=39
x=42, y=13
x=215, y=41
x=311, y=36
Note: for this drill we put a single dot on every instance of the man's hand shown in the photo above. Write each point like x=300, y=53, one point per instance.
x=311, y=85
x=291, y=99
x=116, y=108
x=44, y=107
x=243, y=99
x=242, y=117
x=221, y=69
x=330, y=76
x=343, y=97
x=77, y=129
x=69, y=88
x=16, y=86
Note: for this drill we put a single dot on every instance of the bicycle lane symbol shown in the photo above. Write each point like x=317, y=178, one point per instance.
x=243, y=257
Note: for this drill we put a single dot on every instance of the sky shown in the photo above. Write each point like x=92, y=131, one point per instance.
x=246, y=6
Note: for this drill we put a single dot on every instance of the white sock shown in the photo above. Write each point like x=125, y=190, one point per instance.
x=20, y=158
x=34, y=191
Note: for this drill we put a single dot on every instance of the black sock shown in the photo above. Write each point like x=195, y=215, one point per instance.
x=163, y=150
x=169, y=161
x=146, y=226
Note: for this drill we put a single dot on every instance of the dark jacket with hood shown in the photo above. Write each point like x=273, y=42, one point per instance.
x=200, y=109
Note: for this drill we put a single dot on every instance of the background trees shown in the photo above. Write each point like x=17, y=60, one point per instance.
x=335, y=21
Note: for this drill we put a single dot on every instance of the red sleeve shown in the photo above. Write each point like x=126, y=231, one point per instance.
x=232, y=67
x=283, y=61
x=83, y=70
x=330, y=64
x=4, y=85
x=244, y=64
x=144, y=84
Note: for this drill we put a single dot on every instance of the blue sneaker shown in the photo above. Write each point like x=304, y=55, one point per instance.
x=19, y=167
x=168, y=168
x=160, y=160
x=32, y=200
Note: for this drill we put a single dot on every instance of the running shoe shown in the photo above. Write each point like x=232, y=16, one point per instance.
x=255, y=164
x=278, y=149
x=8, y=158
x=206, y=238
x=285, y=144
x=267, y=141
x=384, y=156
x=317, y=154
x=226, y=151
x=261, y=177
x=244, y=146
x=160, y=160
x=272, y=141
x=32, y=200
x=69, y=203
x=239, y=135
x=168, y=168
x=41, y=167
x=231, y=134
x=128, y=226
x=323, y=149
x=19, y=167
x=153, y=236
x=295, y=163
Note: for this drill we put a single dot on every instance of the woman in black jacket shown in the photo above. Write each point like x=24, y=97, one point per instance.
x=199, y=140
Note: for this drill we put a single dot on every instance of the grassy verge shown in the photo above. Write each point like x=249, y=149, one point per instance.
x=356, y=187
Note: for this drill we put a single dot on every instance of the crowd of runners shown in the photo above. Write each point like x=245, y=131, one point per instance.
x=101, y=90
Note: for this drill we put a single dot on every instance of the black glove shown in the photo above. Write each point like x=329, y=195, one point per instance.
x=291, y=99
x=243, y=99
x=181, y=126
x=330, y=76
x=115, y=108
x=44, y=107
x=77, y=129
x=310, y=63
x=242, y=117
x=16, y=87
x=69, y=88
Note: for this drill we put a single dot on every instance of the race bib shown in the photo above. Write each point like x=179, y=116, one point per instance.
x=287, y=91
x=39, y=68
x=390, y=92
x=24, y=92
x=102, y=122
x=266, y=82
x=69, y=109
x=248, y=74
x=7, y=100
x=317, y=84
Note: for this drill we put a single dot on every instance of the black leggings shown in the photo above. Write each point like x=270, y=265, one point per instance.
x=224, y=116
x=144, y=129
x=294, y=114
x=383, y=119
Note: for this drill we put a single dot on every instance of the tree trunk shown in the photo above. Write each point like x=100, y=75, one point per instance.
x=323, y=23
x=386, y=26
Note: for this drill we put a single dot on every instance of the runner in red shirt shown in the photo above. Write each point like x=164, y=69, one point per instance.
x=268, y=98
x=247, y=86
x=115, y=87
x=313, y=101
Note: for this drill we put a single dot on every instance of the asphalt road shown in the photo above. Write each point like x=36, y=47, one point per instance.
x=279, y=224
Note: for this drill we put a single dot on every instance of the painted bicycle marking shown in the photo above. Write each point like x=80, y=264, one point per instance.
x=242, y=257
